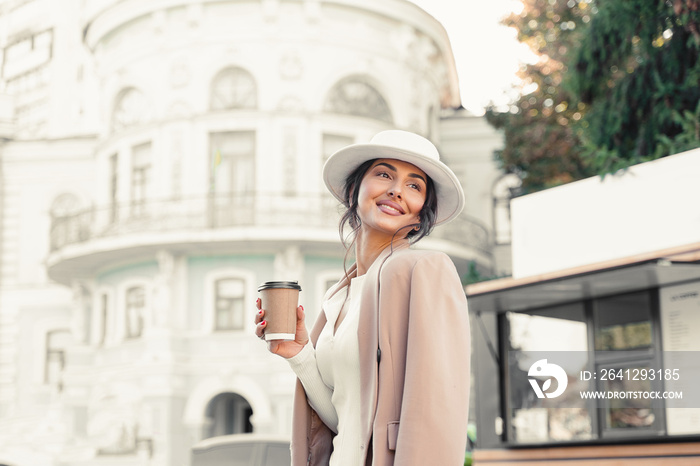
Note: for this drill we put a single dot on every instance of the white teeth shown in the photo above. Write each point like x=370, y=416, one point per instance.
x=392, y=208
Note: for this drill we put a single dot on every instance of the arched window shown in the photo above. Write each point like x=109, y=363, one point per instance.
x=64, y=204
x=135, y=310
x=355, y=96
x=504, y=189
x=233, y=88
x=228, y=413
x=130, y=109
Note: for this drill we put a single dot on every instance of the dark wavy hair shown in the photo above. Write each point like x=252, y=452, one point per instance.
x=426, y=217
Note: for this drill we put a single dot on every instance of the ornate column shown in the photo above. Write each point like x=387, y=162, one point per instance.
x=289, y=264
x=81, y=321
x=169, y=286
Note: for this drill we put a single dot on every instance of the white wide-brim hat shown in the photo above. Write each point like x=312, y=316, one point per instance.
x=404, y=146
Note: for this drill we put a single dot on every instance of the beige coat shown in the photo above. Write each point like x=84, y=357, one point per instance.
x=414, y=401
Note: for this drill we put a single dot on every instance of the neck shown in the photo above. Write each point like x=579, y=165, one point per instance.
x=368, y=247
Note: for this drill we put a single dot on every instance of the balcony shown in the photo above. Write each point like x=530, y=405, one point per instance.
x=84, y=241
x=209, y=212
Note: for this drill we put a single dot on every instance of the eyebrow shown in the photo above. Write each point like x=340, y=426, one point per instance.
x=411, y=175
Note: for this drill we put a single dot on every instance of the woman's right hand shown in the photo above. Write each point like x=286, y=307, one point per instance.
x=285, y=348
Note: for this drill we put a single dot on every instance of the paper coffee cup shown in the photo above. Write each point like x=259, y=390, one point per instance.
x=280, y=301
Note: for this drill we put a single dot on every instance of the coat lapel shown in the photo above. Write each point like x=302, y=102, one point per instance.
x=368, y=337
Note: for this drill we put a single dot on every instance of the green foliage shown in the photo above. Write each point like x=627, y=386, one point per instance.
x=637, y=70
x=688, y=137
x=475, y=276
x=541, y=145
x=616, y=84
x=471, y=443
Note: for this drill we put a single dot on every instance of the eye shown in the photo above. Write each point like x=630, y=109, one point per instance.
x=416, y=186
x=383, y=174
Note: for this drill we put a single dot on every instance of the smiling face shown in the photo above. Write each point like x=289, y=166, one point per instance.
x=391, y=196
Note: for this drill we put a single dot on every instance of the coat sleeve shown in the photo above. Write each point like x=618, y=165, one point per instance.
x=435, y=402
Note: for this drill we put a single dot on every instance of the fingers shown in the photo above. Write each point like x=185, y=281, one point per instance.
x=260, y=323
x=260, y=329
x=302, y=336
x=301, y=325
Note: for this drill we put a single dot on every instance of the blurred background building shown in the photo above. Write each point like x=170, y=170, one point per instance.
x=158, y=160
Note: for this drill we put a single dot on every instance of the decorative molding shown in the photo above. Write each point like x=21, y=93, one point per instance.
x=179, y=75
x=82, y=310
x=289, y=264
x=164, y=289
x=291, y=104
x=291, y=66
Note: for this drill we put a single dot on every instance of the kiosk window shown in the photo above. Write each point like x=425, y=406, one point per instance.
x=624, y=346
x=531, y=336
x=629, y=413
x=623, y=322
x=595, y=342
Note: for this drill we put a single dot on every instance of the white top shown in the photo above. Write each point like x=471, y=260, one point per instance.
x=330, y=374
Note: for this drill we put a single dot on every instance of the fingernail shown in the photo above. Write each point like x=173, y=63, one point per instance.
x=263, y=322
x=302, y=307
x=260, y=312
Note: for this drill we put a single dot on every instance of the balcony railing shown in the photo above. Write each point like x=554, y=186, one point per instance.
x=315, y=211
x=466, y=231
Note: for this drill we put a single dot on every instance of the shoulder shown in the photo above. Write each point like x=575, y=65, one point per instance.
x=413, y=256
x=406, y=260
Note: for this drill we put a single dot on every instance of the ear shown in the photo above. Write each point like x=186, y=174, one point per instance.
x=351, y=193
x=347, y=199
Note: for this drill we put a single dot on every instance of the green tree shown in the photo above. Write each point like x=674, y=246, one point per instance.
x=541, y=145
x=616, y=83
x=637, y=71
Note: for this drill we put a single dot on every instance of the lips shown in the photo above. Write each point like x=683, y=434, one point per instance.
x=391, y=208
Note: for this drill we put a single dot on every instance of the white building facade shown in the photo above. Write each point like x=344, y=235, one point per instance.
x=159, y=160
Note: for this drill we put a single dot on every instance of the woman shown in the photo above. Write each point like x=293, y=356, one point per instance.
x=384, y=374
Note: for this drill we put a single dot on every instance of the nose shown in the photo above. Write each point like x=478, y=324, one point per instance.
x=394, y=191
